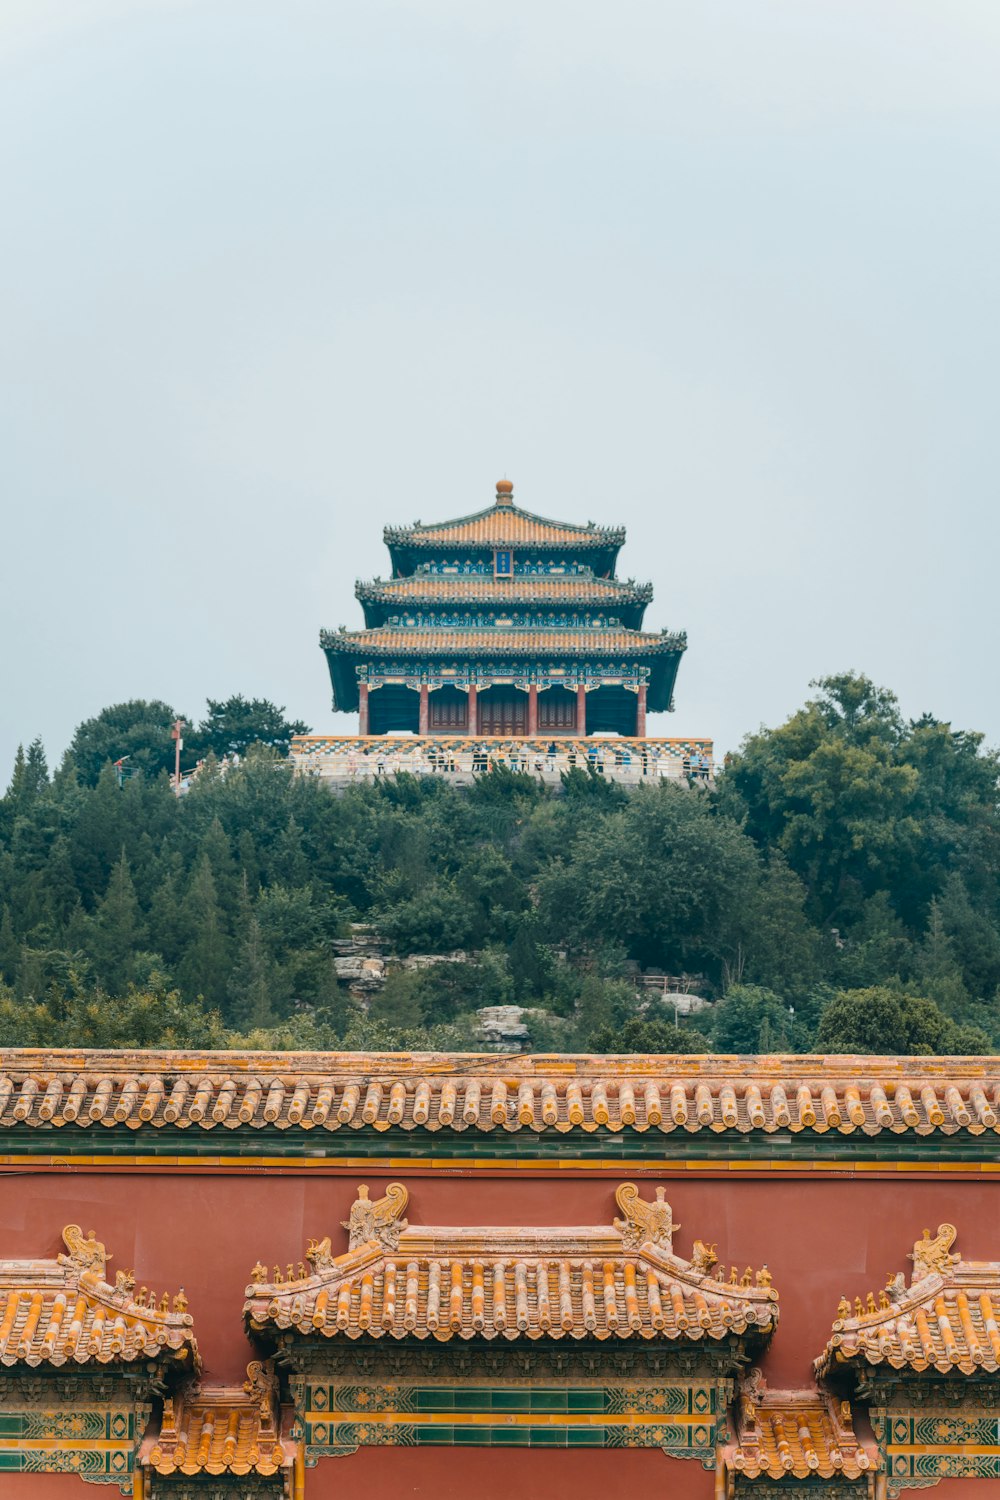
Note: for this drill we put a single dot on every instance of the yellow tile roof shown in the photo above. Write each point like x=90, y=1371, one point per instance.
x=421, y=1281
x=802, y=1434
x=63, y=1311
x=505, y=526
x=519, y=590
x=216, y=1429
x=947, y=1319
x=615, y=640
x=305, y=1091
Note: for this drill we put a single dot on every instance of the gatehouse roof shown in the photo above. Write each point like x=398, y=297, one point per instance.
x=64, y=1312
x=218, y=1429
x=619, y=1281
x=945, y=1320
x=800, y=1434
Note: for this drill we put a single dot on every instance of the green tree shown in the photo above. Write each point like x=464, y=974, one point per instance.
x=750, y=1019
x=117, y=928
x=882, y=1020
x=437, y=919
x=643, y=1036
x=204, y=969
x=233, y=724
x=663, y=877
x=253, y=980
x=76, y=1016
x=137, y=732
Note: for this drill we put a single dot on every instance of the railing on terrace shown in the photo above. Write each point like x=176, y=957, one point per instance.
x=631, y=761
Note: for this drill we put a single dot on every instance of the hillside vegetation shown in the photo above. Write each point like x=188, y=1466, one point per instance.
x=838, y=890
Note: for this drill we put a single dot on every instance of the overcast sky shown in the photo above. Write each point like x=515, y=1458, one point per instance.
x=275, y=274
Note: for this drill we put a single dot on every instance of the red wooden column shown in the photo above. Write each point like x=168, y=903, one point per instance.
x=362, y=708
x=581, y=709
x=425, y=715
x=472, y=714
x=640, y=712
x=532, y=710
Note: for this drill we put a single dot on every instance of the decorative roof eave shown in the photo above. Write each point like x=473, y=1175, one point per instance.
x=546, y=1094
x=63, y=1312
x=443, y=591
x=800, y=1434
x=588, y=1282
x=946, y=1321
x=483, y=642
x=500, y=525
x=216, y=1429
x=487, y=589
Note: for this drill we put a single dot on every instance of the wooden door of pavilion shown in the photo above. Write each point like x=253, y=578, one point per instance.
x=503, y=711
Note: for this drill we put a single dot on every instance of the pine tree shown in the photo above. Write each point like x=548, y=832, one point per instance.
x=215, y=847
x=10, y=948
x=251, y=982
x=60, y=881
x=118, y=928
x=204, y=969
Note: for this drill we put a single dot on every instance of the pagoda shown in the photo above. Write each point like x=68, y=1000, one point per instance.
x=503, y=623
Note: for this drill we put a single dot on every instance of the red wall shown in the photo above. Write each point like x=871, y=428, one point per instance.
x=488, y=1474
x=821, y=1238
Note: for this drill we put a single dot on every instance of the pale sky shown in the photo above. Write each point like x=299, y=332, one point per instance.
x=275, y=274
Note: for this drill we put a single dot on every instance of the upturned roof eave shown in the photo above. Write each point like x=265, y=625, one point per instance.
x=431, y=531
x=353, y=643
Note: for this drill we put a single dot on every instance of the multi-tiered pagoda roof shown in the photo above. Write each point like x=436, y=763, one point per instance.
x=511, y=605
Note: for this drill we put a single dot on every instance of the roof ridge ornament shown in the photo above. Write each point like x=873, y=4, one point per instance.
x=85, y=1252
x=505, y=492
x=930, y=1256
x=380, y=1221
x=644, y=1223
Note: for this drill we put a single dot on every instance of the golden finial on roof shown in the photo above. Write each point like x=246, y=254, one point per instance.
x=505, y=492
x=870, y=1307
x=843, y=1308
x=764, y=1277
x=644, y=1223
x=258, y=1274
x=859, y=1309
x=883, y=1300
x=382, y=1220
x=180, y=1302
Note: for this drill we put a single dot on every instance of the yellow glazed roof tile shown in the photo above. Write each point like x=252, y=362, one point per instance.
x=799, y=1434
x=216, y=1429
x=504, y=526
x=945, y=1320
x=433, y=1092
x=531, y=589
x=421, y=1281
x=64, y=1311
x=388, y=638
